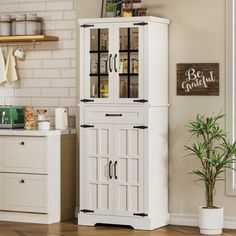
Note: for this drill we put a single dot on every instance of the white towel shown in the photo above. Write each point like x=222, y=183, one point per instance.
x=11, y=67
x=3, y=77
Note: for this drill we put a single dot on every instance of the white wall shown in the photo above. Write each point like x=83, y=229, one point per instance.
x=196, y=34
x=48, y=75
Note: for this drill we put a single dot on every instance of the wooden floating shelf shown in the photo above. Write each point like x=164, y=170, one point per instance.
x=28, y=38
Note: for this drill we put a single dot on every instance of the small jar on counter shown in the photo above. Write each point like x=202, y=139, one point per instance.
x=28, y=117
x=42, y=114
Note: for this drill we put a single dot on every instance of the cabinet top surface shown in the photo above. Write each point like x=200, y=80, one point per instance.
x=124, y=19
x=23, y=132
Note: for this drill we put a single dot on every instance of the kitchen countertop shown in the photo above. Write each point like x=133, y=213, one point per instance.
x=35, y=132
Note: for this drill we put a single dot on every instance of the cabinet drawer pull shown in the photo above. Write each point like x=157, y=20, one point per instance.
x=113, y=114
x=22, y=143
x=110, y=175
x=22, y=181
x=115, y=166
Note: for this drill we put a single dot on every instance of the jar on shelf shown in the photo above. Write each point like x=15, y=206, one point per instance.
x=41, y=114
x=5, y=25
x=125, y=65
x=20, y=25
x=33, y=25
x=28, y=117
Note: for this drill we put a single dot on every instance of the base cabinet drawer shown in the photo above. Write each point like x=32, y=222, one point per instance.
x=23, y=192
x=114, y=115
x=24, y=155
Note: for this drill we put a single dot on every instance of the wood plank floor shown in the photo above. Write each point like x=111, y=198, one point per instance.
x=71, y=229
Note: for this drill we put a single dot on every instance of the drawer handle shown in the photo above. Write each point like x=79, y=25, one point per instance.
x=22, y=181
x=22, y=143
x=115, y=167
x=113, y=114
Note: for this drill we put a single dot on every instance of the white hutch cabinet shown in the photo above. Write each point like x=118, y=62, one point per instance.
x=124, y=121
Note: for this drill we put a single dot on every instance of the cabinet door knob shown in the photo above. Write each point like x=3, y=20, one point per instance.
x=22, y=143
x=22, y=181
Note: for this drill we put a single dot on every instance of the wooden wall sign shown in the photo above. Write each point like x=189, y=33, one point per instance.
x=198, y=79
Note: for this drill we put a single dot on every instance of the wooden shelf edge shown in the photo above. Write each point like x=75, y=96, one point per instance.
x=28, y=38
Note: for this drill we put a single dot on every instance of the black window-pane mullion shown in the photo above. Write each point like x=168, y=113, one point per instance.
x=128, y=62
x=99, y=57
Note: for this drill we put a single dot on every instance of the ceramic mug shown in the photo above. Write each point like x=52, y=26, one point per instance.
x=19, y=53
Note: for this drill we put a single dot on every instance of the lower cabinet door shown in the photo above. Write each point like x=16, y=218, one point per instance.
x=23, y=192
x=128, y=168
x=97, y=193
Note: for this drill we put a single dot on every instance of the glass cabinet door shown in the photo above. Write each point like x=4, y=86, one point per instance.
x=98, y=69
x=129, y=79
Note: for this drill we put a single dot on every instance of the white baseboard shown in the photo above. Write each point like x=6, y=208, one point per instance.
x=192, y=220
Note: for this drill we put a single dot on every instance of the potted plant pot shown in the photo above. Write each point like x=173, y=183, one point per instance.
x=211, y=220
x=110, y=14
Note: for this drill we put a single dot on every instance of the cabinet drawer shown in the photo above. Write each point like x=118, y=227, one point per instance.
x=123, y=115
x=23, y=192
x=24, y=155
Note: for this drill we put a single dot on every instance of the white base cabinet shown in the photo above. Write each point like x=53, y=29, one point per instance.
x=124, y=121
x=32, y=179
x=124, y=169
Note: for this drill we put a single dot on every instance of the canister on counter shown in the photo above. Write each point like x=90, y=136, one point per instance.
x=28, y=117
x=41, y=114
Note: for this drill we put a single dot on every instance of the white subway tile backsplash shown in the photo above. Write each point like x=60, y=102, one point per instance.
x=68, y=15
x=32, y=6
x=36, y=83
x=6, y=8
x=68, y=73
x=18, y=101
x=64, y=83
x=55, y=92
x=24, y=73
x=46, y=73
x=27, y=92
x=65, y=5
x=29, y=64
x=51, y=15
x=53, y=63
x=38, y=55
x=72, y=92
x=69, y=44
x=66, y=53
x=6, y=92
x=65, y=24
x=67, y=102
x=46, y=102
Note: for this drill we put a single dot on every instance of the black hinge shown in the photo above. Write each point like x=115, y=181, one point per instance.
x=87, y=100
x=141, y=100
x=86, y=26
x=141, y=23
x=86, y=211
x=87, y=126
x=140, y=214
x=140, y=127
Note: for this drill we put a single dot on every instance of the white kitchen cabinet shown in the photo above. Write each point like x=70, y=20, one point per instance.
x=32, y=178
x=124, y=122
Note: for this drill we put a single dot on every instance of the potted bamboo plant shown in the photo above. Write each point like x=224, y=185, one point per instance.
x=215, y=154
